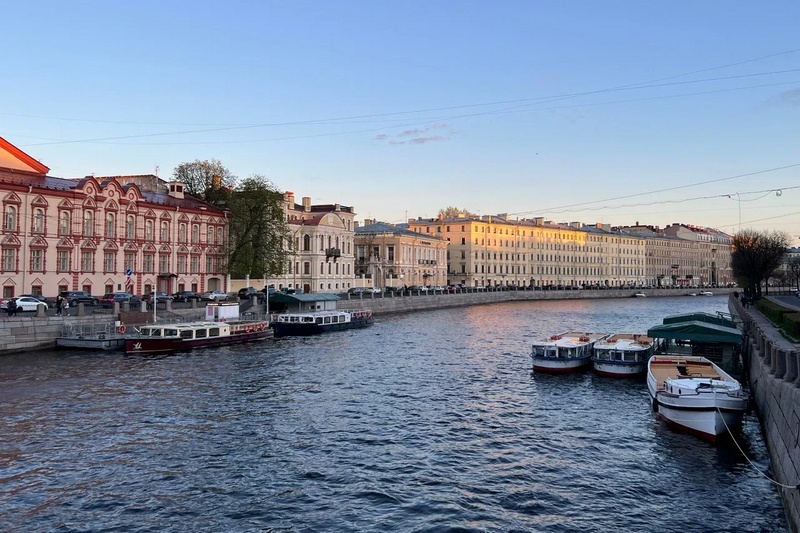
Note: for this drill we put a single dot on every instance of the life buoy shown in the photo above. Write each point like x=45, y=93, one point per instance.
x=248, y=329
x=121, y=328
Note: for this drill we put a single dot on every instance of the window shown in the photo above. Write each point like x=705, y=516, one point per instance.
x=148, y=230
x=181, y=264
x=88, y=223
x=306, y=268
x=130, y=227
x=9, y=259
x=108, y=262
x=219, y=235
x=148, y=263
x=165, y=231
x=130, y=261
x=111, y=226
x=195, y=233
x=64, y=222
x=163, y=264
x=38, y=220
x=209, y=264
x=10, y=221
x=37, y=260
x=306, y=243
x=182, y=232
x=63, y=261
x=195, y=264
x=390, y=253
x=87, y=261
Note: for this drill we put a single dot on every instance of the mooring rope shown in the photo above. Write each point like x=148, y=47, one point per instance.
x=755, y=467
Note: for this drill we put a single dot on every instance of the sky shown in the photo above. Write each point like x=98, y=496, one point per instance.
x=615, y=111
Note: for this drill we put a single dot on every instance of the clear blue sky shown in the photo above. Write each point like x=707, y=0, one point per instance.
x=403, y=108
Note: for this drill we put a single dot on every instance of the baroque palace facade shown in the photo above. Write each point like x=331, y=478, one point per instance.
x=104, y=234
x=495, y=250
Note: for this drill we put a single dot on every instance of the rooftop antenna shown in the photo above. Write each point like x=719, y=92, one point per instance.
x=156, y=170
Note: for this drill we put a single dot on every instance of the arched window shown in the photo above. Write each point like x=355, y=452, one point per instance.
x=130, y=227
x=10, y=221
x=64, y=223
x=306, y=243
x=219, y=235
x=111, y=224
x=195, y=233
x=164, y=231
x=38, y=220
x=88, y=223
x=182, y=232
x=148, y=230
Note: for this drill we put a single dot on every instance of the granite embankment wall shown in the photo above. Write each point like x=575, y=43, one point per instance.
x=22, y=333
x=774, y=377
x=382, y=303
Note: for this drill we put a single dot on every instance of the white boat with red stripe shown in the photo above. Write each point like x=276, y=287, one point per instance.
x=565, y=352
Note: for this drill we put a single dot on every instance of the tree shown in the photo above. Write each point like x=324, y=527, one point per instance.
x=257, y=229
x=755, y=257
x=454, y=212
x=204, y=179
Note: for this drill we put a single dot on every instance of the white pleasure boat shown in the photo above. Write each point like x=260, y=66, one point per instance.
x=566, y=352
x=622, y=354
x=694, y=395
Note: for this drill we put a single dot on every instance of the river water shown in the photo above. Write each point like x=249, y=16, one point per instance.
x=430, y=421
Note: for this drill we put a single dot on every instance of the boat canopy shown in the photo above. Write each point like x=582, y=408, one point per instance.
x=696, y=330
x=700, y=317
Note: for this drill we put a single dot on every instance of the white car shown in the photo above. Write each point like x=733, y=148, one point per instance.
x=214, y=295
x=24, y=303
x=375, y=290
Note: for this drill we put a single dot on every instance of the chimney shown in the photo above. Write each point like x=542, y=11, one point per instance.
x=539, y=221
x=356, y=225
x=289, y=197
x=307, y=204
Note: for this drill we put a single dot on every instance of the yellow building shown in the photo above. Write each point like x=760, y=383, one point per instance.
x=391, y=256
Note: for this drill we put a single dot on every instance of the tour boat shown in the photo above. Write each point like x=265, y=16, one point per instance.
x=622, y=354
x=169, y=338
x=694, y=395
x=706, y=293
x=566, y=352
x=314, y=322
x=639, y=295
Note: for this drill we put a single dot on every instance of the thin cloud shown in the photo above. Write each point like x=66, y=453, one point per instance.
x=418, y=134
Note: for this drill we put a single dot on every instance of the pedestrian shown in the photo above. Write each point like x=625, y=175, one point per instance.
x=59, y=305
x=65, y=305
x=12, y=308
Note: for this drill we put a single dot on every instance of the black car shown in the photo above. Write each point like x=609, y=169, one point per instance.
x=79, y=297
x=185, y=296
x=247, y=292
x=109, y=299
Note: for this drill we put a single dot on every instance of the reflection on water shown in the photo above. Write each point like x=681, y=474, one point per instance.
x=430, y=421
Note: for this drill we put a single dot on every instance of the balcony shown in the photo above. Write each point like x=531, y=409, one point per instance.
x=427, y=261
x=334, y=253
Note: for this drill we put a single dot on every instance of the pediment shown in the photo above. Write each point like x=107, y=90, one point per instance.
x=150, y=214
x=165, y=216
x=165, y=249
x=89, y=203
x=89, y=244
x=110, y=245
x=12, y=198
x=131, y=247
x=149, y=248
x=112, y=205
x=39, y=201
x=10, y=240
x=66, y=204
x=65, y=242
x=183, y=249
x=38, y=242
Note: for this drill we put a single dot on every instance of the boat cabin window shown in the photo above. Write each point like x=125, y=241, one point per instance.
x=170, y=333
x=319, y=320
x=327, y=320
x=308, y=319
x=186, y=334
x=213, y=332
x=200, y=333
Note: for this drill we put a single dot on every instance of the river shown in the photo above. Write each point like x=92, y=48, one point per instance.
x=428, y=421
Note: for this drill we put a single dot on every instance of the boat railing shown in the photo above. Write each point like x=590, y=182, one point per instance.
x=88, y=331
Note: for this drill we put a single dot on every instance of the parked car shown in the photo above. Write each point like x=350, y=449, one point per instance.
x=41, y=298
x=356, y=290
x=374, y=290
x=24, y=303
x=79, y=297
x=185, y=296
x=214, y=296
x=248, y=292
x=160, y=296
x=108, y=300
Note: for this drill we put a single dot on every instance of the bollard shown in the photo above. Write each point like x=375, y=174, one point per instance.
x=791, y=367
x=780, y=363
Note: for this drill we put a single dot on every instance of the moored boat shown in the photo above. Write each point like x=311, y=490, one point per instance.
x=567, y=352
x=169, y=338
x=694, y=395
x=314, y=322
x=622, y=354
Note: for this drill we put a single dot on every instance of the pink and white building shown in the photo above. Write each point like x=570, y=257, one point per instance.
x=104, y=234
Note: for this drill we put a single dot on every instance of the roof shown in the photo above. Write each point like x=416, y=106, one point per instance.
x=697, y=331
x=280, y=297
x=700, y=317
x=383, y=227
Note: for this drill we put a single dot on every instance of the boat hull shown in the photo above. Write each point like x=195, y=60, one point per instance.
x=302, y=329
x=560, y=365
x=709, y=422
x=153, y=346
x=620, y=369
